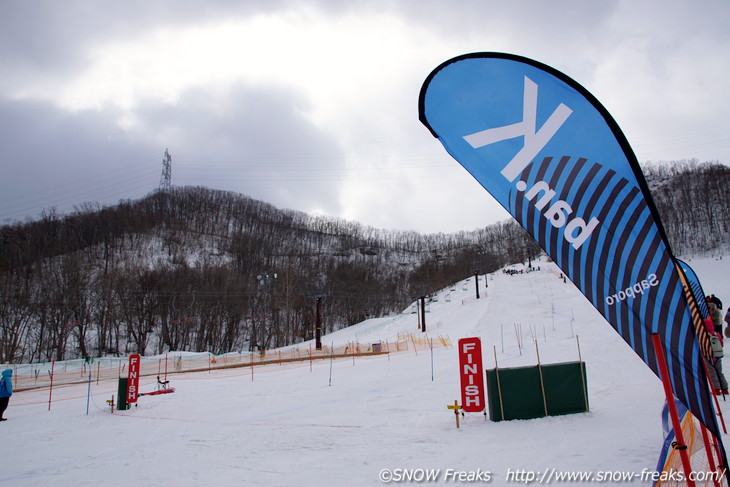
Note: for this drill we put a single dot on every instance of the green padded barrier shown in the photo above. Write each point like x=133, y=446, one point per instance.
x=526, y=392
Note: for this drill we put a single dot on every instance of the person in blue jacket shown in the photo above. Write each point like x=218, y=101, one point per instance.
x=6, y=390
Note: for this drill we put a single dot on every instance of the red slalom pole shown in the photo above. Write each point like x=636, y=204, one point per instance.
x=682, y=446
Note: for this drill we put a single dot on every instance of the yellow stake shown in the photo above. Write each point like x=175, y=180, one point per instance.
x=456, y=408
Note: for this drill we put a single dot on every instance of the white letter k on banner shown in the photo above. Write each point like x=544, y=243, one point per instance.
x=534, y=141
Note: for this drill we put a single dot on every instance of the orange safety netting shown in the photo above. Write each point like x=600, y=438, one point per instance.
x=38, y=375
x=702, y=473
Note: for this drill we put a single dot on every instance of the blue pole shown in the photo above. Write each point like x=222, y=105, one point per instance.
x=88, y=394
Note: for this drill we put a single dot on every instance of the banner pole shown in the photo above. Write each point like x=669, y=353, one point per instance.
x=722, y=421
x=714, y=397
x=682, y=446
x=708, y=449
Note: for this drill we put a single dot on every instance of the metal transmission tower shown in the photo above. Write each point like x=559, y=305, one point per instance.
x=166, y=177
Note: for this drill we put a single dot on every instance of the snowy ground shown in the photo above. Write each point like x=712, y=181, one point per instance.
x=358, y=422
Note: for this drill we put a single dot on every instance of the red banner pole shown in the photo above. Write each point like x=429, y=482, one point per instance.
x=719, y=413
x=714, y=397
x=709, y=450
x=682, y=446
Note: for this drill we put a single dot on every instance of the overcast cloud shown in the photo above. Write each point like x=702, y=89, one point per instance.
x=312, y=105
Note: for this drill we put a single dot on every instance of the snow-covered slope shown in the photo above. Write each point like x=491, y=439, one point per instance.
x=363, y=421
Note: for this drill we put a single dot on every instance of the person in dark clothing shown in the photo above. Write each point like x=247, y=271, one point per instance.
x=6, y=390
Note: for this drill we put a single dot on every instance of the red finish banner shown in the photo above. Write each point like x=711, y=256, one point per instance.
x=133, y=379
x=470, y=370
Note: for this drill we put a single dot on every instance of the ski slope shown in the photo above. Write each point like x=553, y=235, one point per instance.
x=364, y=421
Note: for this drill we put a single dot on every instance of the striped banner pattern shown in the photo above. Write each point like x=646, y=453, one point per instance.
x=698, y=293
x=627, y=248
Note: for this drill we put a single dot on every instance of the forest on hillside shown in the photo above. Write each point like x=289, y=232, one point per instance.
x=205, y=270
x=694, y=203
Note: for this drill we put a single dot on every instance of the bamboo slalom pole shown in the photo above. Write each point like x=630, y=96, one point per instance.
x=542, y=382
x=499, y=386
x=50, y=389
x=582, y=374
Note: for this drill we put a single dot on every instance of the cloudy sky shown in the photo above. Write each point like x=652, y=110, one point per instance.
x=311, y=105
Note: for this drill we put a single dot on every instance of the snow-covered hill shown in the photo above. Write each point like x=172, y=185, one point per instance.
x=364, y=421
